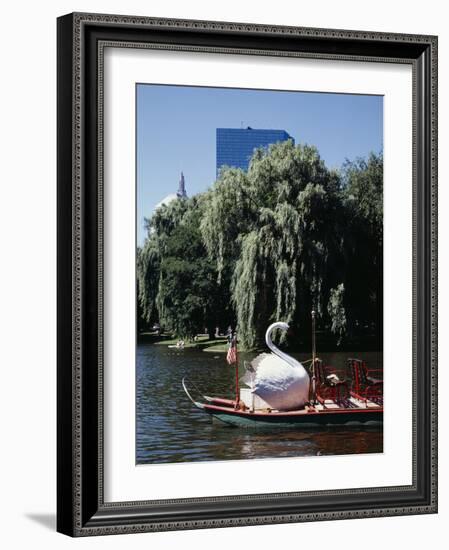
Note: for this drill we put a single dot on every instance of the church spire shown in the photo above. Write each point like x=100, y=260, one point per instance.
x=182, y=188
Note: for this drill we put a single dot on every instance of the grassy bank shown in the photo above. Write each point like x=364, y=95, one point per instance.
x=220, y=345
x=216, y=345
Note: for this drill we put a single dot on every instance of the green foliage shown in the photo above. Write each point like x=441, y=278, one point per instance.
x=362, y=197
x=273, y=243
x=148, y=269
x=336, y=310
x=270, y=228
x=187, y=296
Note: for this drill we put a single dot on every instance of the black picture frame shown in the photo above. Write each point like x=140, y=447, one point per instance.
x=81, y=509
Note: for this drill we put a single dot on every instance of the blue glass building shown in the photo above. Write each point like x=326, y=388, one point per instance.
x=235, y=146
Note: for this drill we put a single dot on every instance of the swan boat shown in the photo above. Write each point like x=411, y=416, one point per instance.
x=280, y=393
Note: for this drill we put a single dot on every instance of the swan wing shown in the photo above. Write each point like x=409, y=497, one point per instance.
x=266, y=363
x=251, y=369
x=281, y=385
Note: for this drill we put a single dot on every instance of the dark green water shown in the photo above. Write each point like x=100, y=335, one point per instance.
x=171, y=429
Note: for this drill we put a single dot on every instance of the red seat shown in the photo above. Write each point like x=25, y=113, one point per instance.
x=364, y=386
x=326, y=388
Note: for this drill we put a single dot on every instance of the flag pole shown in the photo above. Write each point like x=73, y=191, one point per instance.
x=313, y=358
x=237, y=388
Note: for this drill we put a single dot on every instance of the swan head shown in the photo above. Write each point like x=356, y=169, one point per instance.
x=281, y=325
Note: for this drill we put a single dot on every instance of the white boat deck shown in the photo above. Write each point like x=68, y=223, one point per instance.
x=255, y=403
x=359, y=404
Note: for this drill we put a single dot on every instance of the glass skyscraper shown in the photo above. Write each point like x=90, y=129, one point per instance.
x=235, y=146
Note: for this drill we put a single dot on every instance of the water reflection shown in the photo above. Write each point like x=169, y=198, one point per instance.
x=170, y=429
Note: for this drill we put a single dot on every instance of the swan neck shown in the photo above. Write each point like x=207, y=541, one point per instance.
x=275, y=349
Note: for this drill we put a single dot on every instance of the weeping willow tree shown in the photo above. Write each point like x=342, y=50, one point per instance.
x=273, y=243
x=148, y=270
x=159, y=228
x=362, y=196
x=177, y=278
x=273, y=232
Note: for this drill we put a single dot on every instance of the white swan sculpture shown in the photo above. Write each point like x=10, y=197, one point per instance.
x=281, y=381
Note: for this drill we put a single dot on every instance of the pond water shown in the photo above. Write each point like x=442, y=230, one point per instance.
x=171, y=429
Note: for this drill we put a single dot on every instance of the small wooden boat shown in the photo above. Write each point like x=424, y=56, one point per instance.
x=351, y=412
x=330, y=402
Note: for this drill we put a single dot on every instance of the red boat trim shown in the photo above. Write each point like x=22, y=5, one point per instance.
x=301, y=412
x=222, y=401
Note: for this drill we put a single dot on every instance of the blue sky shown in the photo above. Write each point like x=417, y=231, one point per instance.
x=176, y=131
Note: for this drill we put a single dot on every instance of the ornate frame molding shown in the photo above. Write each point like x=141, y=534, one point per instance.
x=81, y=41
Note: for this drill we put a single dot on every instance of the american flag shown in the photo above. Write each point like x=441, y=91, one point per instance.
x=231, y=357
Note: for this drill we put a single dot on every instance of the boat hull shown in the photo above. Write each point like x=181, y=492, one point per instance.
x=303, y=420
